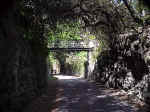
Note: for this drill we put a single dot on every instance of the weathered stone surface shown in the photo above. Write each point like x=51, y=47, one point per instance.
x=23, y=74
x=128, y=66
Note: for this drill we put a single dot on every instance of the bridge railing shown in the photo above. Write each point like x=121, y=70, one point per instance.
x=69, y=44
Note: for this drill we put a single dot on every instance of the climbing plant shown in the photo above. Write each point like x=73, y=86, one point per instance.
x=64, y=31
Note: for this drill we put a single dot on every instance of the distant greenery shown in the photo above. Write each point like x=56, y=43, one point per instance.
x=72, y=62
x=64, y=31
x=68, y=31
x=52, y=59
x=52, y=78
x=76, y=62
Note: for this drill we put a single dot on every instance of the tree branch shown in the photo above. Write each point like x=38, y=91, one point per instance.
x=132, y=13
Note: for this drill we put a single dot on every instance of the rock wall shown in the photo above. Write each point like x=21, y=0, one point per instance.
x=23, y=73
x=127, y=66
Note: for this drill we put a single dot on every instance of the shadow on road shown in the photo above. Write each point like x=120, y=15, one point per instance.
x=74, y=94
x=46, y=102
x=78, y=95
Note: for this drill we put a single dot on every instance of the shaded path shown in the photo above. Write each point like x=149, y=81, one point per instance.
x=44, y=103
x=78, y=95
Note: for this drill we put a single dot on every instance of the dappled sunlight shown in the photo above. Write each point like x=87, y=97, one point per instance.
x=101, y=96
x=78, y=95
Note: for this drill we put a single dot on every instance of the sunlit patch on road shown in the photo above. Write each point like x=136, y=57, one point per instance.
x=65, y=77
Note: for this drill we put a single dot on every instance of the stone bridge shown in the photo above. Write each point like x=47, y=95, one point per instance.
x=75, y=46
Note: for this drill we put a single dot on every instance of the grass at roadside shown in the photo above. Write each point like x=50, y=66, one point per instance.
x=52, y=78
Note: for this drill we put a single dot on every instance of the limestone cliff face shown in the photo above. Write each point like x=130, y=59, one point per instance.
x=23, y=74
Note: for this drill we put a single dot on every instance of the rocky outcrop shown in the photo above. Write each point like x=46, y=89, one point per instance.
x=127, y=65
x=23, y=73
